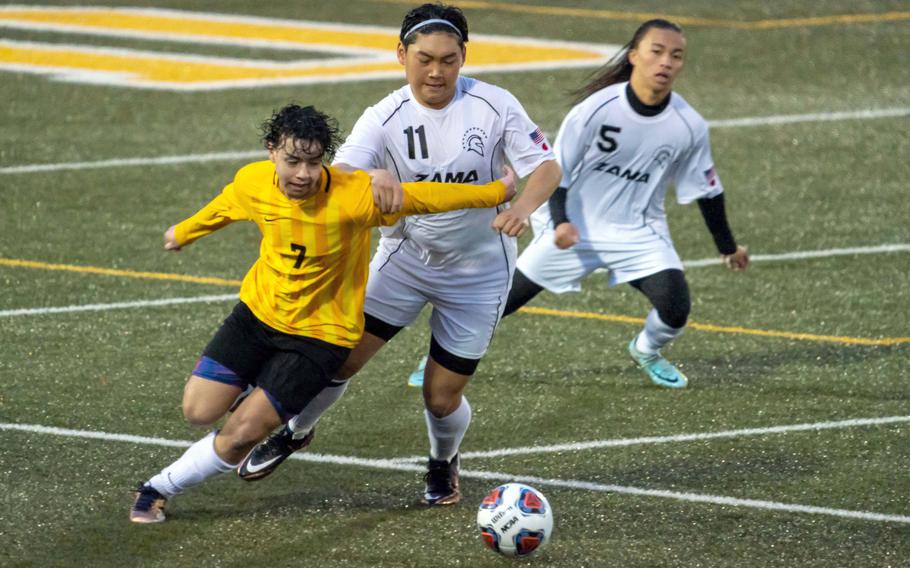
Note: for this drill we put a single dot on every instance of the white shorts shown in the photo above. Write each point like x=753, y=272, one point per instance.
x=466, y=309
x=635, y=253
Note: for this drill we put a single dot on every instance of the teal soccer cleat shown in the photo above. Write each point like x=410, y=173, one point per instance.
x=415, y=379
x=660, y=370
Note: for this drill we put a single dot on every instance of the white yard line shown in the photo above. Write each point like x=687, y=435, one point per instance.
x=117, y=305
x=623, y=442
x=685, y=496
x=798, y=255
x=117, y=163
x=399, y=465
x=222, y=156
x=813, y=117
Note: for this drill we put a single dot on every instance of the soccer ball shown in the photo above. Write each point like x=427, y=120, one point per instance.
x=515, y=519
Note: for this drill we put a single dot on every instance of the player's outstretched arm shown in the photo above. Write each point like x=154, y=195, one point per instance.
x=220, y=212
x=424, y=197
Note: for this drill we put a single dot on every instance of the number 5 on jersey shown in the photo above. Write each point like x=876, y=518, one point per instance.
x=422, y=136
x=607, y=143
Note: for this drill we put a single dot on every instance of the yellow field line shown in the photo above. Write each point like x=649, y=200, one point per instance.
x=827, y=20
x=581, y=315
x=528, y=310
x=725, y=329
x=798, y=336
x=682, y=20
x=115, y=272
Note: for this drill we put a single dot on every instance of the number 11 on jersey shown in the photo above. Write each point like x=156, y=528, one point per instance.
x=421, y=134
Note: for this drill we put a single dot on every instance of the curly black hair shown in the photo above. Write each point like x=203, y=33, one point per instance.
x=424, y=12
x=302, y=123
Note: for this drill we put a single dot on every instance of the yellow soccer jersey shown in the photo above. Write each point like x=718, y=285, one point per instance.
x=311, y=274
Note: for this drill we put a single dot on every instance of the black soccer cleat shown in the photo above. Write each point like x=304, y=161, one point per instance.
x=442, y=485
x=148, y=505
x=268, y=454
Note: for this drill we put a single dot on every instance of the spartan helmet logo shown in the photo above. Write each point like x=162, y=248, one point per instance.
x=472, y=141
x=662, y=156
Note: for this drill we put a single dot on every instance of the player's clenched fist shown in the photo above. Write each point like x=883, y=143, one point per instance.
x=514, y=221
x=170, y=241
x=737, y=261
x=565, y=235
x=511, y=222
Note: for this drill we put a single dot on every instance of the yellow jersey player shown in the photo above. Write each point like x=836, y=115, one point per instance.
x=301, y=304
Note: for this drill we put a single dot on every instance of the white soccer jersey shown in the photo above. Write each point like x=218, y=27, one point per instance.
x=617, y=164
x=467, y=141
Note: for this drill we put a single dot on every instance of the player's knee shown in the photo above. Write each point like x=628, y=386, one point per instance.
x=669, y=294
x=675, y=313
x=198, y=413
x=441, y=404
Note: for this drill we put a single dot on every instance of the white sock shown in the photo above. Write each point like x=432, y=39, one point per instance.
x=309, y=416
x=447, y=432
x=656, y=334
x=197, y=464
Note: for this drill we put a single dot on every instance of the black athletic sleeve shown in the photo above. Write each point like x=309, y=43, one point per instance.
x=715, y=214
x=558, y=206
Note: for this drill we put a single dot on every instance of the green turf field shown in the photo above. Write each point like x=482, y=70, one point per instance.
x=793, y=341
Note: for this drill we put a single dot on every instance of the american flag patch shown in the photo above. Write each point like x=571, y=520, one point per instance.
x=711, y=176
x=538, y=138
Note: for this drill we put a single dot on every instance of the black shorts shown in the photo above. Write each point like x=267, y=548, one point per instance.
x=292, y=369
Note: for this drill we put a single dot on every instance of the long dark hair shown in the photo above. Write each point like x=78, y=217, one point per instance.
x=618, y=68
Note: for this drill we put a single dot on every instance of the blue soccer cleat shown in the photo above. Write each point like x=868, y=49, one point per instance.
x=662, y=373
x=415, y=379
